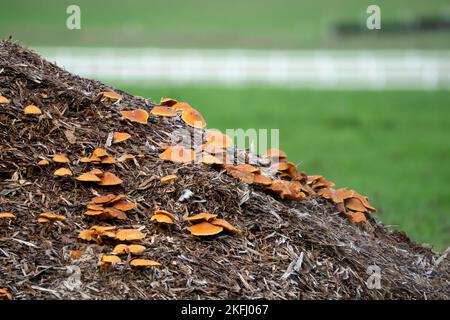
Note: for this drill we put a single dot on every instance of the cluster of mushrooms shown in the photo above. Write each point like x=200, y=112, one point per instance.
x=271, y=172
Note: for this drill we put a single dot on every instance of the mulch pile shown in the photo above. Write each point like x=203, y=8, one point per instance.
x=286, y=250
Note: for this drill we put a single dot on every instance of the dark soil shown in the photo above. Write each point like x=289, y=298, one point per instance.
x=287, y=249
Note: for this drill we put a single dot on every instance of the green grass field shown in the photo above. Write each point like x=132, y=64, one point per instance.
x=289, y=24
x=391, y=146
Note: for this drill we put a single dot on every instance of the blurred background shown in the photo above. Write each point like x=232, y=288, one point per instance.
x=368, y=109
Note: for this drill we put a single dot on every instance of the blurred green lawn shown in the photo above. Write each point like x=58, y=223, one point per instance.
x=288, y=24
x=392, y=146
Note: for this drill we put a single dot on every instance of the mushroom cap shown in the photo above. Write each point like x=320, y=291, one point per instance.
x=248, y=167
x=62, y=172
x=86, y=160
x=32, y=109
x=209, y=159
x=60, y=158
x=355, y=204
x=119, y=197
x=110, y=95
x=109, y=179
x=138, y=115
x=163, y=111
x=103, y=228
x=50, y=216
x=96, y=171
x=201, y=216
x=100, y=152
x=124, y=205
x=226, y=225
x=3, y=100
x=218, y=139
x=144, y=263
x=165, y=212
x=331, y=194
x=103, y=199
x=93, y=212
x=4, y=293
x=241, y=174
x=178, y=154
x=168, y=178
x=261, y=179
x=129, y=235
x=7, y=215
x=95, y=207
x=132, y=248
x=167, y=102
x=88, y=235
x=113, y=213
x=275, y=153
x=313, y=178
x=193, y=118
x=356, y=217
x=204, y=229
x=110, y=259
x=43, y=162
x=88, y=177
x=120, y=136
x=181, y=106
x=108, y=160
x=161, y=218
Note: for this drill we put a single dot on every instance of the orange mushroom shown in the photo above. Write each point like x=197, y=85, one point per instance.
x=356, y=217
x=129, y=235
x=109, y=179
x=43, y=162
x=132, y=248
x=161, y=218
x=241, y=174
x=124, y=205
x=4, y=293
x=62, y=172
x=261, y=179
x=88, y=177
x=275, y=153
x=168, y=179
x=355, y=204
x=108, y=160
x=3, y=100
x=6, y=216
x=167, y=102
x=204, y=229
x=106, y=261
x=218, y=139
x=142, y=263
x=138, y=115
x=32, y=109
x=120, y=137
x=193, y=118
x=165, y=212
x=226, y=225
x=201, y=216
x=209, y=159
x=181, y=106
x=59, y=158
x=103, y=199
x=97, y=172
x=110, y=95
x=50, y=218
x=178, y=154
x=163, y=111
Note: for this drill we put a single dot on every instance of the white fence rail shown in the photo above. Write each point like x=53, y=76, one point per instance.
x=359, y=69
